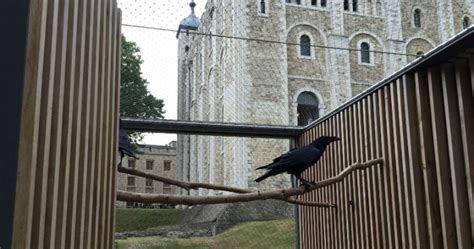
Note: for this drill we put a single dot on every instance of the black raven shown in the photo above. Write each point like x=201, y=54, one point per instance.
x=125, y=148
x=298, y=160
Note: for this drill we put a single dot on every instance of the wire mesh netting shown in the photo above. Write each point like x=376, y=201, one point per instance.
x=269, y=62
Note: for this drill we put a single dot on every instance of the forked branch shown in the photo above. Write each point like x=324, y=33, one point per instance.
x=283, y=194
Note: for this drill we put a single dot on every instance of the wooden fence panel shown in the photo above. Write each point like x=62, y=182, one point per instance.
x=65, y=185
x=421, y=121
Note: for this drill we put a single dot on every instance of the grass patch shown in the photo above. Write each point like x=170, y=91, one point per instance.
x=279, y=234
x=132, y=219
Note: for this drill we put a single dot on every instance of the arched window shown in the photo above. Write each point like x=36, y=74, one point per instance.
x=466, y=22
x=305, y=45
x=417, y=18
x=346, y=5
x=263, y=9
x=365, y=52
x=355, y=5
x=308, y=108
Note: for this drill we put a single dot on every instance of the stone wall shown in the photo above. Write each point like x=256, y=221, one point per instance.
x=248, y=81
x=156, y=154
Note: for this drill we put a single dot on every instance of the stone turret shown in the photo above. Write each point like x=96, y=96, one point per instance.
x=191, y=22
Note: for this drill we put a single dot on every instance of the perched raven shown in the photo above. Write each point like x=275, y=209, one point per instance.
x=298, y=160
x=125, y=148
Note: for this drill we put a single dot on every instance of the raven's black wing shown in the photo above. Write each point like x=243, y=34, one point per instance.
x=125, y=146
x=293, y=157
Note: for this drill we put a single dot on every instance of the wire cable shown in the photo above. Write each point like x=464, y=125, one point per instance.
x=258, y=39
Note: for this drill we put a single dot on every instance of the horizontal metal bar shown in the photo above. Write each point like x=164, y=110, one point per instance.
x=211, y=128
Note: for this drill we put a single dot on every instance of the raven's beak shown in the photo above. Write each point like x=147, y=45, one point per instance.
x=333, y=139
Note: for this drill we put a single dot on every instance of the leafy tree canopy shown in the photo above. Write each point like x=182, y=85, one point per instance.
x=135, y=99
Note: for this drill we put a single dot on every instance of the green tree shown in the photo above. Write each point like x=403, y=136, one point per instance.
x=135, y=99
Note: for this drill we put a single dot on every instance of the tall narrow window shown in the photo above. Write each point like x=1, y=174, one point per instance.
x=167, y=165
x=354, y=5
x=323, y=3
x=313, y=2
x=131, y=163
x=305, y=45
x=365, y=52
x=130, y=181
x=288, y=1
x=148, y=186
x=148, y=183
x=417, y=18
x=263, y=9
x=149, y=164
x=307, y=109
x=298, y=1
x=346, y=5
x=466, y=22
x=210, y=42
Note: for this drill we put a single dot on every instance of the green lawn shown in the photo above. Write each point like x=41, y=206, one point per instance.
x=277, y=234
x=132, y=219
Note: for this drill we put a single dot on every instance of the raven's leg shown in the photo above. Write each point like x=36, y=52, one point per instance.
x=304, y=182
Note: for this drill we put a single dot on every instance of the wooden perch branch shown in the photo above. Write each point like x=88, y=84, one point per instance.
x=196, y=185
x=284, y=194
x=185, y=185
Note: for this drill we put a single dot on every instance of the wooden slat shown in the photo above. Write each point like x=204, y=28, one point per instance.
x=441, y=158
x=44, y=139
x=76, y=162
x=351, y=180
x=67, y=146
x=91, y=178
x=367, y=177
x=107, y=162
x=118, y=57
x=340, y=211
x=360, y=176
x=359, y=239
x=401, y=161
x=56, y=127
x=84, y=169
x=428, y=161
x=394, y=154
x=31, y=106
x=415, y=172
x=346, y=185
x=381, y=223
x=456, y=157
x=465, y=94
x=373, y=217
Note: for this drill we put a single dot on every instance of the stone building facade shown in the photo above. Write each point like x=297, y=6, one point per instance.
x=305, y=58
x=153, y=159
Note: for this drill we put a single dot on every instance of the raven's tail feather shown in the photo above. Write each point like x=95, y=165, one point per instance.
x=267, y=174
x=261, y=178
x=263, y=167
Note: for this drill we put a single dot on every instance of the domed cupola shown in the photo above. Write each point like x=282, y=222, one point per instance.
x=191, y=22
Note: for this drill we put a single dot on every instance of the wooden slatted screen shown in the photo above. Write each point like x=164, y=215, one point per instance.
x=65, y=195
x=422, y=124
